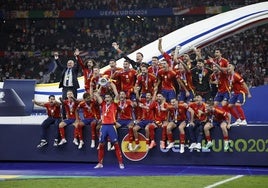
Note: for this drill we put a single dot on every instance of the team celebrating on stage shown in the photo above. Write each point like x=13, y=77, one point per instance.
x=192, y=92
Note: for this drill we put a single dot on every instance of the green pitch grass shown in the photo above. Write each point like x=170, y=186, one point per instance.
x=136, y=182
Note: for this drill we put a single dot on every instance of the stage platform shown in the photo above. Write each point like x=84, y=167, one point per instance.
x=248, y=147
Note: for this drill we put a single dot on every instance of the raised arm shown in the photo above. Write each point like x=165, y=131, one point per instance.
x=181, y=83
x=175, y=59
x=57, y=60
x=155, y=90
x=120, y=52
x=38, y=103
x=61, y=100
x=98, y=97
x=222, y=69
x=116, y=98
x=78, y=58
x=160, y=46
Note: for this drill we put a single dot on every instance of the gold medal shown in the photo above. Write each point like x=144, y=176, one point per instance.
x=107, y=106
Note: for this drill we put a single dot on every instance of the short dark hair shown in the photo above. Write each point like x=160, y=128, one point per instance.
x=140, y=53
x=144, y=64
x=200, y=60
x=110, y=93
x=97, y=66
x=126, y=60
x=51, y=96
x=86, y=95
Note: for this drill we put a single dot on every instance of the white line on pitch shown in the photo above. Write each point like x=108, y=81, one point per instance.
x=224, y=181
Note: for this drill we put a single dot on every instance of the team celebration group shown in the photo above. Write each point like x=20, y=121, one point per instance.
x=191, y=92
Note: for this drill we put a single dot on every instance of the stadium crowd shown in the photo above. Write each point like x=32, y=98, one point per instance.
x=28, y=44
x=28, y=52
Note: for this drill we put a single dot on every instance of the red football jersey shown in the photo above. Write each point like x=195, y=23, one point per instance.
x=154, y=70
x=113, y=74
x=161, y=113
x=222, y=62
x=219, y=114
x=196, y=108
x=90, y=110
x=169, y=59
x=167, y=79
x=236, y=83
x=53, y=110
x=222, y=79
x=125, y=109
x=146, y=82
x=127, y=80
x=87, y=73
x=108, y=112
x=179, y=114
x=186, y=78
x=148, y=114
x=70, y=107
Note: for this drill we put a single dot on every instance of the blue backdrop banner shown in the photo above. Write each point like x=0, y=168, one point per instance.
x=248, y=146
